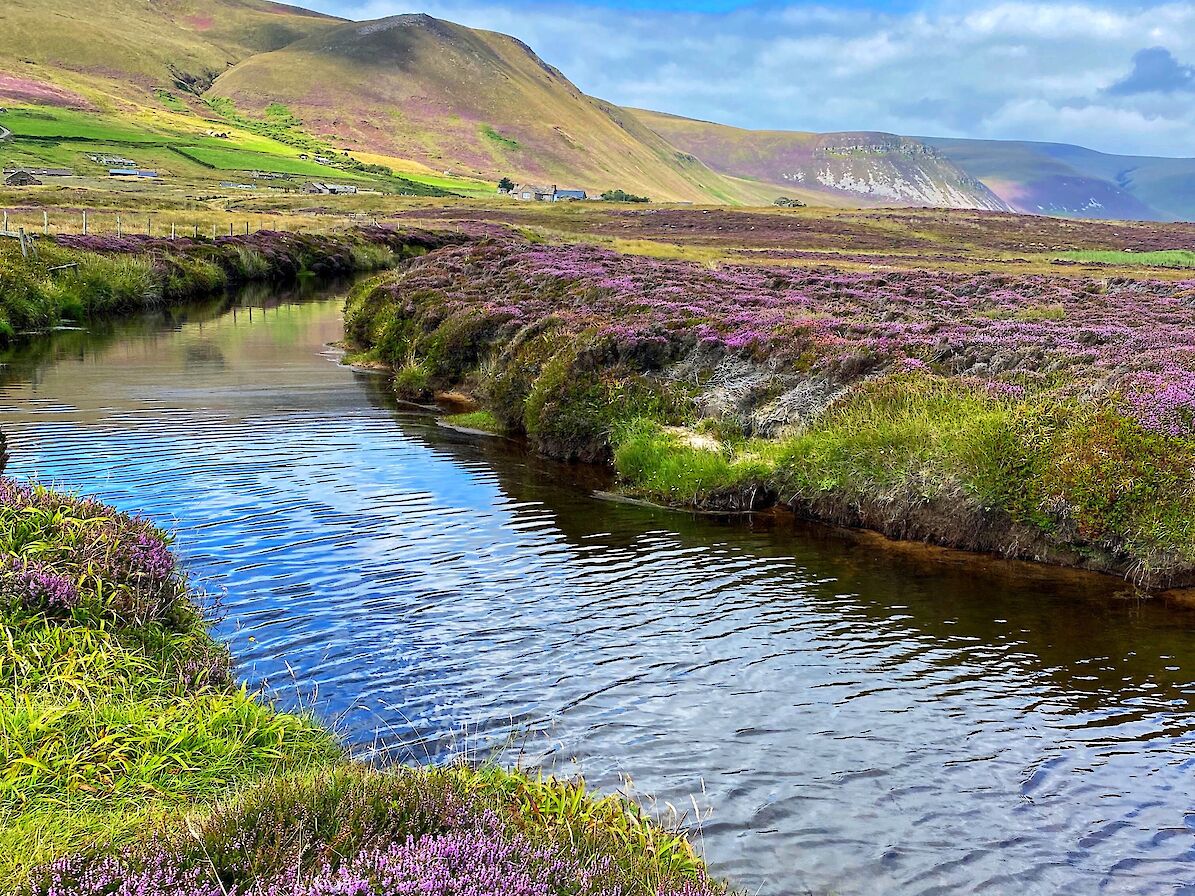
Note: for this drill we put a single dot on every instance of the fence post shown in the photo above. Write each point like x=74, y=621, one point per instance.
x=45, y=222
x=149, y=226
x=119, y=232
x=6, y=220
x=230, y=228
x=246, y=228
x=213, y=231
x=21, y=237
x=172, y=230
x=196, y=231
x=84, y=222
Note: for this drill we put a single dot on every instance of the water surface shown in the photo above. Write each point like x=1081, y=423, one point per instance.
x=843, y=718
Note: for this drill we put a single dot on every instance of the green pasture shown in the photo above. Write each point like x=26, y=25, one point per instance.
x=233, y=159
x=1172, y=258
x=47, y=121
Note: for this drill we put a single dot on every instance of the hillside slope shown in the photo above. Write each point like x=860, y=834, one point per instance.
x=1056, y=178
x=873, y=167
x=468, y=102
x=75, y=54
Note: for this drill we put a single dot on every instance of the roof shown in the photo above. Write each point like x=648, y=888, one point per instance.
x=41, y=172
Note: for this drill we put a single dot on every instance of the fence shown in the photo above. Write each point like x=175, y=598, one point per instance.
x=119, y=224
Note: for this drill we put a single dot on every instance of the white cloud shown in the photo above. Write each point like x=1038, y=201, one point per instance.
x=1008, y=70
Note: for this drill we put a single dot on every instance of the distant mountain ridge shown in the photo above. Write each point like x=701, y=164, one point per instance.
x=475, y=103
x=1061, y=179
x=875, y=167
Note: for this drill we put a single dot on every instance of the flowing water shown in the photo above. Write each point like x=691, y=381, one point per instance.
x=842, y=717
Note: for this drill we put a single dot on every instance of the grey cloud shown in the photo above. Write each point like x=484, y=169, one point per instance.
x=1155, y=70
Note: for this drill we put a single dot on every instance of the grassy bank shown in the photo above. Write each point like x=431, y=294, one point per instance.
x=76, y=278
x=1038, y=416
x=130, y=762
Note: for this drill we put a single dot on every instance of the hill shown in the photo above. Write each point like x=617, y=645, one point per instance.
x=217, y=91
x=1034, y=178
x=87, y=54
x=874, y=167
x=468, y=102
x=1060, y=179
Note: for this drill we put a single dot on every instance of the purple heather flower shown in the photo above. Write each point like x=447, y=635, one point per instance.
x=35, y=587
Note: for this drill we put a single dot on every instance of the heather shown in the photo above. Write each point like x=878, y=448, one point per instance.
x=439, y=832
x=908, y=235
x=74, y=278
x=1041, y=416
x=116, y=704
x=133, y=764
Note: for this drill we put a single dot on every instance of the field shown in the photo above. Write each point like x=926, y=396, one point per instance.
x=224, y=159
x=1163, y=259
x=852, y=239
x=47, y=121
x=182, y=146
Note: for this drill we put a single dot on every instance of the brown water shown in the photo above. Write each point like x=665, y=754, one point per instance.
x=844, y=718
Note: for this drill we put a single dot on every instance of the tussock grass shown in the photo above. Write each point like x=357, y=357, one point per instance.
x=921, y=453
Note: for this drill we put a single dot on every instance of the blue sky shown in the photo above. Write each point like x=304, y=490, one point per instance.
x=1118, y=77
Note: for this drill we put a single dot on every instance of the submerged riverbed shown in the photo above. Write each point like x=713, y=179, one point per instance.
x=843, y=717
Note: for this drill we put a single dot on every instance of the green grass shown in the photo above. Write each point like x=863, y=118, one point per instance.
x=464, y=186
x=48, y=121
x=1175, y=258
x=179, y=147
x=1083, y=476
x=498, y=139
x=170, y=101
x=119, y=707
x=233, y=159
x=34, y=297
x=483, y=421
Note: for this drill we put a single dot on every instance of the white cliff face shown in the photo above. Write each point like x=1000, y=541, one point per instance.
x=908, y=183
x=881, y=180
x=892, y=169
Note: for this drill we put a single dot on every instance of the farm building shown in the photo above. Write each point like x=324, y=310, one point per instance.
x=569, y=196
x=131, y=172
x=533, y=193
x=334, y=189
x=113, y=161
x=41, y=172
x=21, y=179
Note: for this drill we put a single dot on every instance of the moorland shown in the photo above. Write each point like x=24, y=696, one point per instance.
x=972, y=376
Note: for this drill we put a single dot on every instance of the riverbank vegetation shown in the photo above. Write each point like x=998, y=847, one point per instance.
x=1047, y=417
x=131, y=762
x=71, y=279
